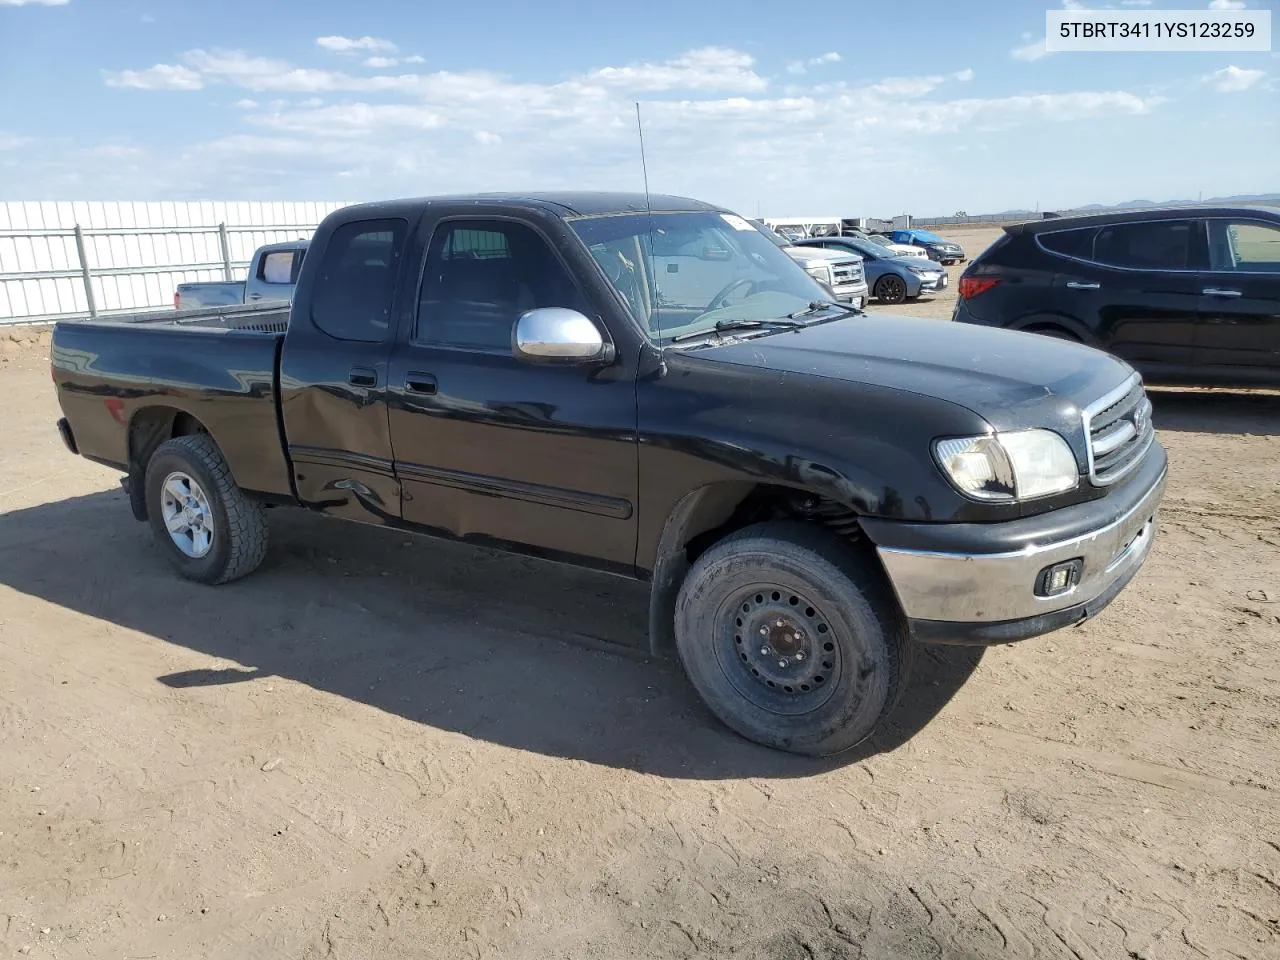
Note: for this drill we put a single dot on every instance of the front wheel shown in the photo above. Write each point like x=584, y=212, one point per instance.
x=891, y=289
x=791, y=639
x=208, y=529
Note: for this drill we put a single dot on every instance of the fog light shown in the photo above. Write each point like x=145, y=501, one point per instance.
x=1059, y=579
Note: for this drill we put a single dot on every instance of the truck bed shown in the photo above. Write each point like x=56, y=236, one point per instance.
x=218, y=366
x=267, y=317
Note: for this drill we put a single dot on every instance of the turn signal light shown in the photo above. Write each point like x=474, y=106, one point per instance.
x=971, y=287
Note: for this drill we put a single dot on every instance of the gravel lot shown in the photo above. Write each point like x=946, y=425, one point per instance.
x=383, y=747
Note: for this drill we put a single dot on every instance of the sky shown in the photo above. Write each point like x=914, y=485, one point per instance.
x=866, y=108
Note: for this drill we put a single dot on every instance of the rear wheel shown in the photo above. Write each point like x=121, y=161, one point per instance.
x=791, y=639
x=206, y=526
x=891, y=289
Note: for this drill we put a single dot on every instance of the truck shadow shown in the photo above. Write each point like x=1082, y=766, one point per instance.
x=1194, y=410
x=518, y=652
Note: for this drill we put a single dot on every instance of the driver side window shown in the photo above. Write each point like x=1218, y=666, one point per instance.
x=480, y=276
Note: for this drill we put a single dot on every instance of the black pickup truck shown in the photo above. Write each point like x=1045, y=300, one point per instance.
x=652, y=388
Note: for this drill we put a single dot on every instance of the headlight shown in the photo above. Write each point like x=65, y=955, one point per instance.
x=1022, y=465
x=820, y=272
x=920, y=271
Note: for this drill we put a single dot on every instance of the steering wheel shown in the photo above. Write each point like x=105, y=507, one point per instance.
x=721, y=298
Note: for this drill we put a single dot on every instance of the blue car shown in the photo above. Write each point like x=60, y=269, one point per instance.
x=891, y=277
x=944, y=251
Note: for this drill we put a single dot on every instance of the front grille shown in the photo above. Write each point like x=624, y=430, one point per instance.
x=846, y=273
x=1120, y=431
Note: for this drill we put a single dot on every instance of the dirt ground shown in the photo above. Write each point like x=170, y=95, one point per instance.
x=384, y=747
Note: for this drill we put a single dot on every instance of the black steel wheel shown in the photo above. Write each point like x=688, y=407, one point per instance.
x=891, y=289
x=791, y=638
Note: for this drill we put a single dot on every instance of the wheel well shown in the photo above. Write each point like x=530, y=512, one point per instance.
x=149, y=428
x=1051, y=329
x=710, y=514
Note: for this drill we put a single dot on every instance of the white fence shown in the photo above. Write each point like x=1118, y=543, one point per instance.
x=66, y=260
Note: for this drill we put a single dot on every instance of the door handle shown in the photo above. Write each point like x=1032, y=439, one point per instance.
x=420, y=383
x=1077, y=285
x=255, y=296
x=1219, y=292
x=363, y=377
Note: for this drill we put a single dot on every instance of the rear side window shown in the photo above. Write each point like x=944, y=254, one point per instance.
x=353, y=292
x=1150, y=245
x=1244, y=245
x=1069, y=243
x=278, y=267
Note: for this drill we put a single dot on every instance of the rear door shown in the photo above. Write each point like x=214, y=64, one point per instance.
x=1138, y=290
x=1239, y=320
x=333, y=372
x=489, y=447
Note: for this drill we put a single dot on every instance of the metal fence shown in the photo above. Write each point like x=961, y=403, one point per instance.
x=63, y=261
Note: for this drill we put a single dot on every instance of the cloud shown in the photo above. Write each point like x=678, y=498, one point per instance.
x=116, y=151
x=1226, y=5
x=381, y=63
x=163, y=76
x=714, y=127
x=1031, y=51
x=1233, y=79
x=34, y=3
x=709, y=68
x=802, y=66
x=354, y=45
x=1136, y=3
x=416, y=58
x=147, y=18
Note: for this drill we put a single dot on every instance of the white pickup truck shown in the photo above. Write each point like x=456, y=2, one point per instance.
x=273, y=271
x=841, y=272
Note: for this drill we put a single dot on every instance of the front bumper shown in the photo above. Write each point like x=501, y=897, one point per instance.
x=975, y=596
x=852, y=293
x=931, y=284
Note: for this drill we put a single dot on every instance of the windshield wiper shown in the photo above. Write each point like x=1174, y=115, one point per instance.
x=817, y=306
x=788, y=323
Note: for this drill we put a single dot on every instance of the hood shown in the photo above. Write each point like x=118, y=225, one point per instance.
x=1012, y=380
x=819, y=254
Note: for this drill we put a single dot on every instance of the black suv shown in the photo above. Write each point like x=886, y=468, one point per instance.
x=1187, y=295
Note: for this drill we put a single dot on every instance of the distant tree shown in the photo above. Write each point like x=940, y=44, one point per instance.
x=960, y=213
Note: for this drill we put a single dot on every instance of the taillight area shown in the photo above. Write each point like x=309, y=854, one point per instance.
x=971, y=287
x=177, y=300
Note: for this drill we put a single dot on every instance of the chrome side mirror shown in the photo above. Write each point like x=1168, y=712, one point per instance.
x=558, y=335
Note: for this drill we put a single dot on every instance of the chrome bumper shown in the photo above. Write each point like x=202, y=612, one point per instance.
x=992, y=588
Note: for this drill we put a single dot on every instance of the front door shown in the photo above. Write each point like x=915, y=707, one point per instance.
x=489, y=447
x=333, y=374
x=1138, y=290
x=1239, y=323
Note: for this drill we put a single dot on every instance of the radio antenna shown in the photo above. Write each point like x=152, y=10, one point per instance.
x=644, y=167
x=648, y=209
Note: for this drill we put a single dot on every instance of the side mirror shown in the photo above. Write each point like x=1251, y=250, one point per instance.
x=558, y=335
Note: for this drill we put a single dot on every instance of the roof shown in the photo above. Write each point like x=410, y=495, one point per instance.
x=1136, y=216
x=562, y=203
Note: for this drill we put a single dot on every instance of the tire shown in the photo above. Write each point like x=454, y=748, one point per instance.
x=189, y=474
x=843, y=676
x=891, y=289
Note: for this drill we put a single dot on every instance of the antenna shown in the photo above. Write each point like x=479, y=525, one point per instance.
x=643, y=165
x=648, y=209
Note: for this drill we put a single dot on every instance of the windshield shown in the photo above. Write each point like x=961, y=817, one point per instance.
x=873, y=251
x=691, y=271
x=881, y=241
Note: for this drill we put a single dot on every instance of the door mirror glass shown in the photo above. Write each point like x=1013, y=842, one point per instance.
x=558, y=335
